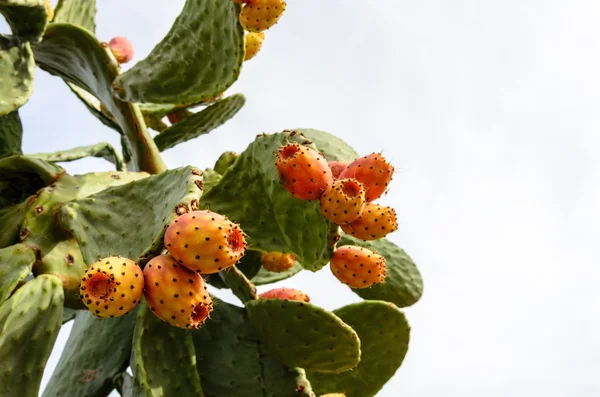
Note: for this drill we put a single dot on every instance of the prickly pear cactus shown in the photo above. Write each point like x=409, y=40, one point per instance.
x=165, y=241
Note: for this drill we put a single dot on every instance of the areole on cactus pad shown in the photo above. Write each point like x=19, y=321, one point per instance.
x=129, y=255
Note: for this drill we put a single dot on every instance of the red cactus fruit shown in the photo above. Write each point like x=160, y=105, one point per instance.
x=303, y=171
x=204, y=241
x=285, y=293
x=260, y=15
x=175, y=294
x=375, y=222
x=112, y=286
x=337, y=167
x=121, y=48
x=343, y=201
x=277, y=261
x=373, y=171
x=357, y=267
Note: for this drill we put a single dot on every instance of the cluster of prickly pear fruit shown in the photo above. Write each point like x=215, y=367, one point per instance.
x=136, y=258
x=346, y=192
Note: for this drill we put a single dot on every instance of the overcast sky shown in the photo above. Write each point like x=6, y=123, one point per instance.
x=489, y=110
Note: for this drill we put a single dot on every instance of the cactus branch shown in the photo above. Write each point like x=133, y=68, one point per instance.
x=239, y=284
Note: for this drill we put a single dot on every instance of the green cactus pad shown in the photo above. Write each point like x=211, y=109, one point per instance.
x=200, y=123
x=97, y=350
x=232, y=362
x=403, y=285
x=332, y=147
x=384, y=335
x=130, y=220
x=101, y=150
x=186, y=68
x=155, y=122
x=250, y=194
x=17, y=70
x=124, y=384
x=16, y=262
x=303, y=335
x=77, y=56
x=21, y=177
x=69, y=314
x=26, y=18
x=11, y=219
x=210, y=178
x=225, y=161
x=94, y=106
x=29, y=324
x=58, y=252
x=239, y=284
x=11, y=131
x=76, y=12
x=163, y=359
x=266, y=277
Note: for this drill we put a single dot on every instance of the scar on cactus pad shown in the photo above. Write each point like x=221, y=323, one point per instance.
x=277, y=261
x=112, y=287
x=260, y=15
x=357, y=267
x=204, y=241
x=121, y=48
x=175, y=294
x=303, y=171
x=343, y=202
x=285, y=293
x=253, y=43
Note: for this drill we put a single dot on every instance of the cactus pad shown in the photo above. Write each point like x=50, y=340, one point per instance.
x=76, y=12
x=403, y=285
x=21, y=177
x=332, y=147
x=101, y=150
x=200, y=123
x=95, y=351
x=29, y=324
x=232, y=362
x=129, y=220
x=11, y=131
x=184, y=71
x=11, y=219
x=15, y=264
x=26, y=18
x=58, y=251
x=384, y=334
x=274, y=220
x=164, y=359
x=17, y=70
x=77, y=56
x=95, y=107
x=303, y=335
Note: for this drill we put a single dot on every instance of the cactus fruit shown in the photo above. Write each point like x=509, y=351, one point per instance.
x=337, y=167
x=277, y=261
x=357, y=267
x=121, y=48
x=260, y=15
x=375, y=222
x=373, y=171
x=112, y=286
x=177, y=115
x=254, y=43
x=285, y=293
x=204, y=241
x=175, y=294
x=303, y=171
x=343, y=202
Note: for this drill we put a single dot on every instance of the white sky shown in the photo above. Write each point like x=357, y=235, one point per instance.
x=488, y=110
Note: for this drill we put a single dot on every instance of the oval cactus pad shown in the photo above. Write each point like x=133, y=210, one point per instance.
x=304, y=335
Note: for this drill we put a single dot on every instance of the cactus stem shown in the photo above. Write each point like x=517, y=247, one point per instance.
x=239, y=284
